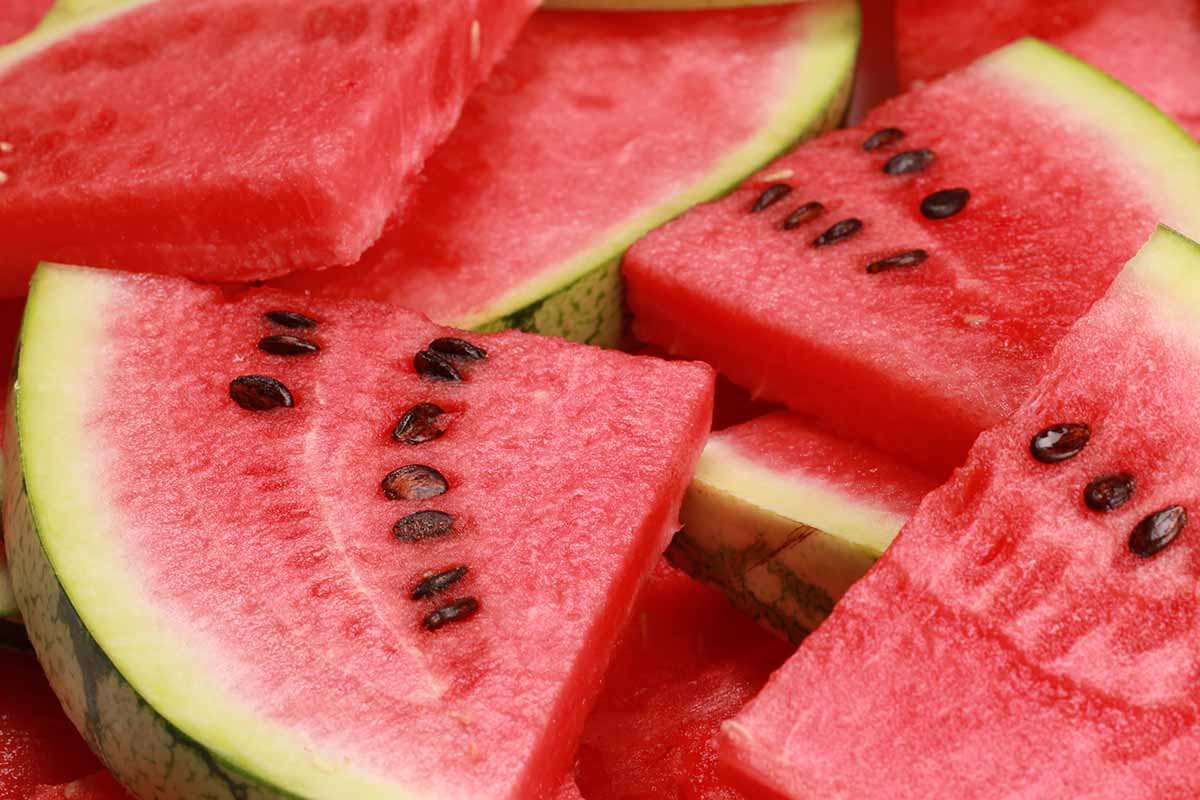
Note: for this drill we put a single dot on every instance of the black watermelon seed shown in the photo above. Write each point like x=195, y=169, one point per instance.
x=259, y=393
x=288, y=345
x=945, y=203
x=436, y=366
x=839, y=231
x=432, y=583
x=1059, y=442
x=882, y=138
x=910, y=258
x=457, y=348
x=1155, y=532
x=908, y=162
x=414, y=482
x=806, y=212
x=774, y=193
x=421, y=423
x=290, y=319
x=1109, y=492
x=423, y=525
x=458, y=611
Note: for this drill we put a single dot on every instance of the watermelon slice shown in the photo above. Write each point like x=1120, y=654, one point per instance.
x=290, y=147
x=1032, y=632
x=10, y=323
x=905, y=290
x=569, y=154
x=230, y=602
x=1152, y=46
x=784, y=517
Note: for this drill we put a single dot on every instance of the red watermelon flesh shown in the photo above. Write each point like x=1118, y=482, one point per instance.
x=1014, y=642
x=226, y=139
x=1152, y=45
x=293, y=610
x=919, y=359
x=18, y=17
x=569, y=142
x=99, y=786
x=686, y=663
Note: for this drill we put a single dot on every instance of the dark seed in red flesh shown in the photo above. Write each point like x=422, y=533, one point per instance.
x=908, y=162
x=432, y=583
x=1109, y=492
x=839, y=231
x=457, y=348
x=460, y=610
x=1155, y=532
x=911, y=258
x=290, y=319
x=423, y=525
x=882, y=138
x=414, y=482
x=436, y=366
x=288, y=345
x=774, y=193
x=1059, y=442
x=945, y=203
x=259, y=393
x=803, y=214
x=421, y=423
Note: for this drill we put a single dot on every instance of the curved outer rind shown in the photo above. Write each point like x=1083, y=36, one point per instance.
x=582, y=297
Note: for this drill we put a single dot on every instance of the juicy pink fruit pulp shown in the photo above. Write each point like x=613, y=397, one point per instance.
x=566, y=465
x=1009, y=644
x=917, y=360
x=18, y=17
x=566, y=140
x=290, y=144
x=686, y=663
x=1151, y=45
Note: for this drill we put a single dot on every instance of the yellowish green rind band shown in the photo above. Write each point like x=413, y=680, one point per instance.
x=812, y=101
x=133, y=686
x=1166, y=267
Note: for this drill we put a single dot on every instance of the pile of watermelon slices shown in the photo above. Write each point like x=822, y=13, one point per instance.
x=617, y=399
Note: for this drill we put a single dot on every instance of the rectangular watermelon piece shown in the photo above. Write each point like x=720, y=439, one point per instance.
x=903, y=280
x=1033, y=631
x=228, y=139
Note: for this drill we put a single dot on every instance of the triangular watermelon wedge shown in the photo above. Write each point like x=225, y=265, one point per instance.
x=402, y=577
x=1033, y=631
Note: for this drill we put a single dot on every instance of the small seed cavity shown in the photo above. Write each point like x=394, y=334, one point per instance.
x=285, y=345
x=422, y=525
x=911, y=258
x=1109, y=492
x=259, y=393
x=803, y=214
x=882, y=138
x=774, y=193
x=908, y=162
x=1059, y=442
x=3, y=177
x=436, y=366
x=838, y=232
x=460, y=610
x=6, y=147
x=1155, y=532
x=457, y=348
x=432, y=583
x=414, y=482
x=421, y=423
x=945, y=203
x=290, y=319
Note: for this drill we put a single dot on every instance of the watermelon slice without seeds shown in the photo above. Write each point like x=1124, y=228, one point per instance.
x=1152, y=45
x=917, y=333
x=568, y=154
x=225, y=139
x=289, y=655
x=1018, y=640
x=784, y=517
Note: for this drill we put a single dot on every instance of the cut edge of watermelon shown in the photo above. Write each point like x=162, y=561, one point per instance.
x=8, y=601
x=824, y=52
x=70, y=302
x=64, y=19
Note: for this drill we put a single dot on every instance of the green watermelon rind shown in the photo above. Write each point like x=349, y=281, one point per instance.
x=582, y=298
